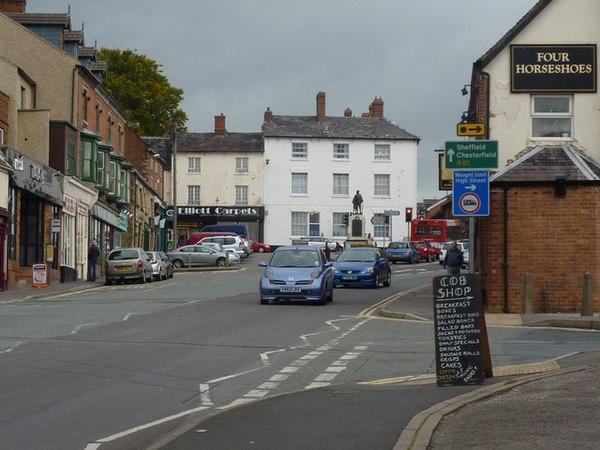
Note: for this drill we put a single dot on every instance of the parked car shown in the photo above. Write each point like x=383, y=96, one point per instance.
x=436, y=248
x=426, y=253
x=238, y=228
x=362, y=266
x=233, y=242
x=320, y=241
x=463, y=245
x=402, y=251
x=260, y=247
x=127, y=264
x=162, y=268
x=199, y=235
x=296, y=273
x=196, y=255
x=234, y=257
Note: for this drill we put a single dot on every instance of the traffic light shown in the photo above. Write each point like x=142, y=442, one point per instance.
x=345, y=219
x=408, y=214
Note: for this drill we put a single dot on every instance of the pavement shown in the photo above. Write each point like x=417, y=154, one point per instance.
x=553, y=404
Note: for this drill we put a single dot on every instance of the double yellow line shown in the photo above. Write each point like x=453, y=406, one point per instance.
x=371, y=310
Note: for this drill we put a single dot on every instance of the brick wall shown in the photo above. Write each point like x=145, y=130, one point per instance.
x=553, y=239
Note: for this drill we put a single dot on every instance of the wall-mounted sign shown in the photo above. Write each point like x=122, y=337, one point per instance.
x=553, y=68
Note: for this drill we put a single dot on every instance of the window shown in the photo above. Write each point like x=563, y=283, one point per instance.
x=314, y=224
x=341, y=183
x=241, y=195
x=101, y=172
x=299, y=224
x=193, y=195
x=299, y=183
x=194, y=164
x=125, y=185
x=340, y=221
x=89, y=150
x=112, y=177
x=241, y=165
x=551, y=116
x=382, y=185
x=86, y=105
x=382, y=230
x=299, y=150
x=109, y=124
x=70, y=156
x=341, y=151
x=98, y=111
x=1, y=136
x=382, y=152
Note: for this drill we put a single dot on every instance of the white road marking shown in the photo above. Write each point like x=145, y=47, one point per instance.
x=205, y=395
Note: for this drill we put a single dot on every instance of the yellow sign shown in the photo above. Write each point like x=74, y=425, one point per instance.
x=470, y=129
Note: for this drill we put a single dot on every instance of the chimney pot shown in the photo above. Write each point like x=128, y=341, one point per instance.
x=13, y=6
x=347, y=112
x=376, y=108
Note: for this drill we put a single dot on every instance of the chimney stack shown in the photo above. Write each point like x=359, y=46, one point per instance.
x=13, y=6
x=376, y=108
x=268, y=115
x=347, y=112
x=321, y=107
x=220, y=125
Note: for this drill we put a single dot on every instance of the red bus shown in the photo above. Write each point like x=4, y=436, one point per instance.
x=436, y=230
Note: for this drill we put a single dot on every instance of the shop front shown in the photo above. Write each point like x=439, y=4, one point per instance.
x=78, y=200
x=193, y=218
x=37, y=200
x=107, y=226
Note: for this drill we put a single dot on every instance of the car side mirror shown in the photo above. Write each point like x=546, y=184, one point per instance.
x=262, y=263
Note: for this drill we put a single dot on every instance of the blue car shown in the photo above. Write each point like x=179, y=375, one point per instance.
x=297, y=273
x=362, y=266
x=403, y=251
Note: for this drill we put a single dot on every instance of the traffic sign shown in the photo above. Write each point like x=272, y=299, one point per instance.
x=470, y=129
x=391, y=212
x=471, y=193
x=471, y=155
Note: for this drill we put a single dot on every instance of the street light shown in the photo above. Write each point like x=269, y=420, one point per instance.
x=174, y=189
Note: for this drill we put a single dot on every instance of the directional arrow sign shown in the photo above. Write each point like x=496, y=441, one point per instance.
x=471, y=155
x=471, y=193
x=470, y=129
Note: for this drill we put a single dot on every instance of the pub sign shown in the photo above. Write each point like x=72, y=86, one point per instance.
x=553, y=68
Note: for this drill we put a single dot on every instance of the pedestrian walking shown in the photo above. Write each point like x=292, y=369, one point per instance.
x=454, y=259
x=327, y=251
x=93, y=255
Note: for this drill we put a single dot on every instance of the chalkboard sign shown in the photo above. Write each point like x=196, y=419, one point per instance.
x=458, y=338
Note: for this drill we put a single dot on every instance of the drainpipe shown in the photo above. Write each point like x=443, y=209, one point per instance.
x=505, y=264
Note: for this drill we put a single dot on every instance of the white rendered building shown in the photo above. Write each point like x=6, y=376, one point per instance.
x=315, y=164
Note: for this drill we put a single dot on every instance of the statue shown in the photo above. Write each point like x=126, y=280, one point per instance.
x=357, y=202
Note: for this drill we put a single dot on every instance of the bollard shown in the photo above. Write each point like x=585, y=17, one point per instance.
x=527, y=306
x=587, y=301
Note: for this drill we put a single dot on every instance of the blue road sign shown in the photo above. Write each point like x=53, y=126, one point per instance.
x=471, y=193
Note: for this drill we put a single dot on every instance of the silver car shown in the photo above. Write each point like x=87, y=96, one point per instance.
x=162, y=267
x=126, y=264
x=196, y=255
x=233, y=256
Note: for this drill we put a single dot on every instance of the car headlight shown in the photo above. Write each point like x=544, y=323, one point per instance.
x=268, y=274
x=335, y=270
x=368, y=270
x=315, y=274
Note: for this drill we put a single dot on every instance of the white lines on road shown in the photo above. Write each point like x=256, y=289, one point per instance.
x=205, y=395
x=14, y=346
x=337, y=367
x=114, y=437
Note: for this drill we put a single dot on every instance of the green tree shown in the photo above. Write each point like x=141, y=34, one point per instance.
x=143, y=92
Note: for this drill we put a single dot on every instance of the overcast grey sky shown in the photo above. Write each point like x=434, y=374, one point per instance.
x=238, y=57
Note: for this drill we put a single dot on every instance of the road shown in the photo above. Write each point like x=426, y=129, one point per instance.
x=131, y=363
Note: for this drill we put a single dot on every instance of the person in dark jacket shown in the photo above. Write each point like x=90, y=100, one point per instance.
x=454, y=259
x=93, y=255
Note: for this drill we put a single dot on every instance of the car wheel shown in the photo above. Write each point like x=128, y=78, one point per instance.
x=412, y=260
x=107, y=282
x=220, y=262
x=178, y=263
x=375, y=284
x=388, y=280
x=143, y=278
x=261, y=249
x=330, y=296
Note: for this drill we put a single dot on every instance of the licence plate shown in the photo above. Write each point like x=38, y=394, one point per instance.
x=123, y=269
x=349, y=278
x=290, y=289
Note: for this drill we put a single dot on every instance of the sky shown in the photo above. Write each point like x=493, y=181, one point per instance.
x=238, y=57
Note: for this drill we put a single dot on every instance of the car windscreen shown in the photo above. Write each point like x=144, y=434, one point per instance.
x=356, y=255
x=295, y=258
x=398, y=245
x=120, y=255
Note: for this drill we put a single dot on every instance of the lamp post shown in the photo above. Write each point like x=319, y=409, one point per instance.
x=174, y=189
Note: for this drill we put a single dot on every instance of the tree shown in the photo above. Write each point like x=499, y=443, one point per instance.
x=143, y=92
